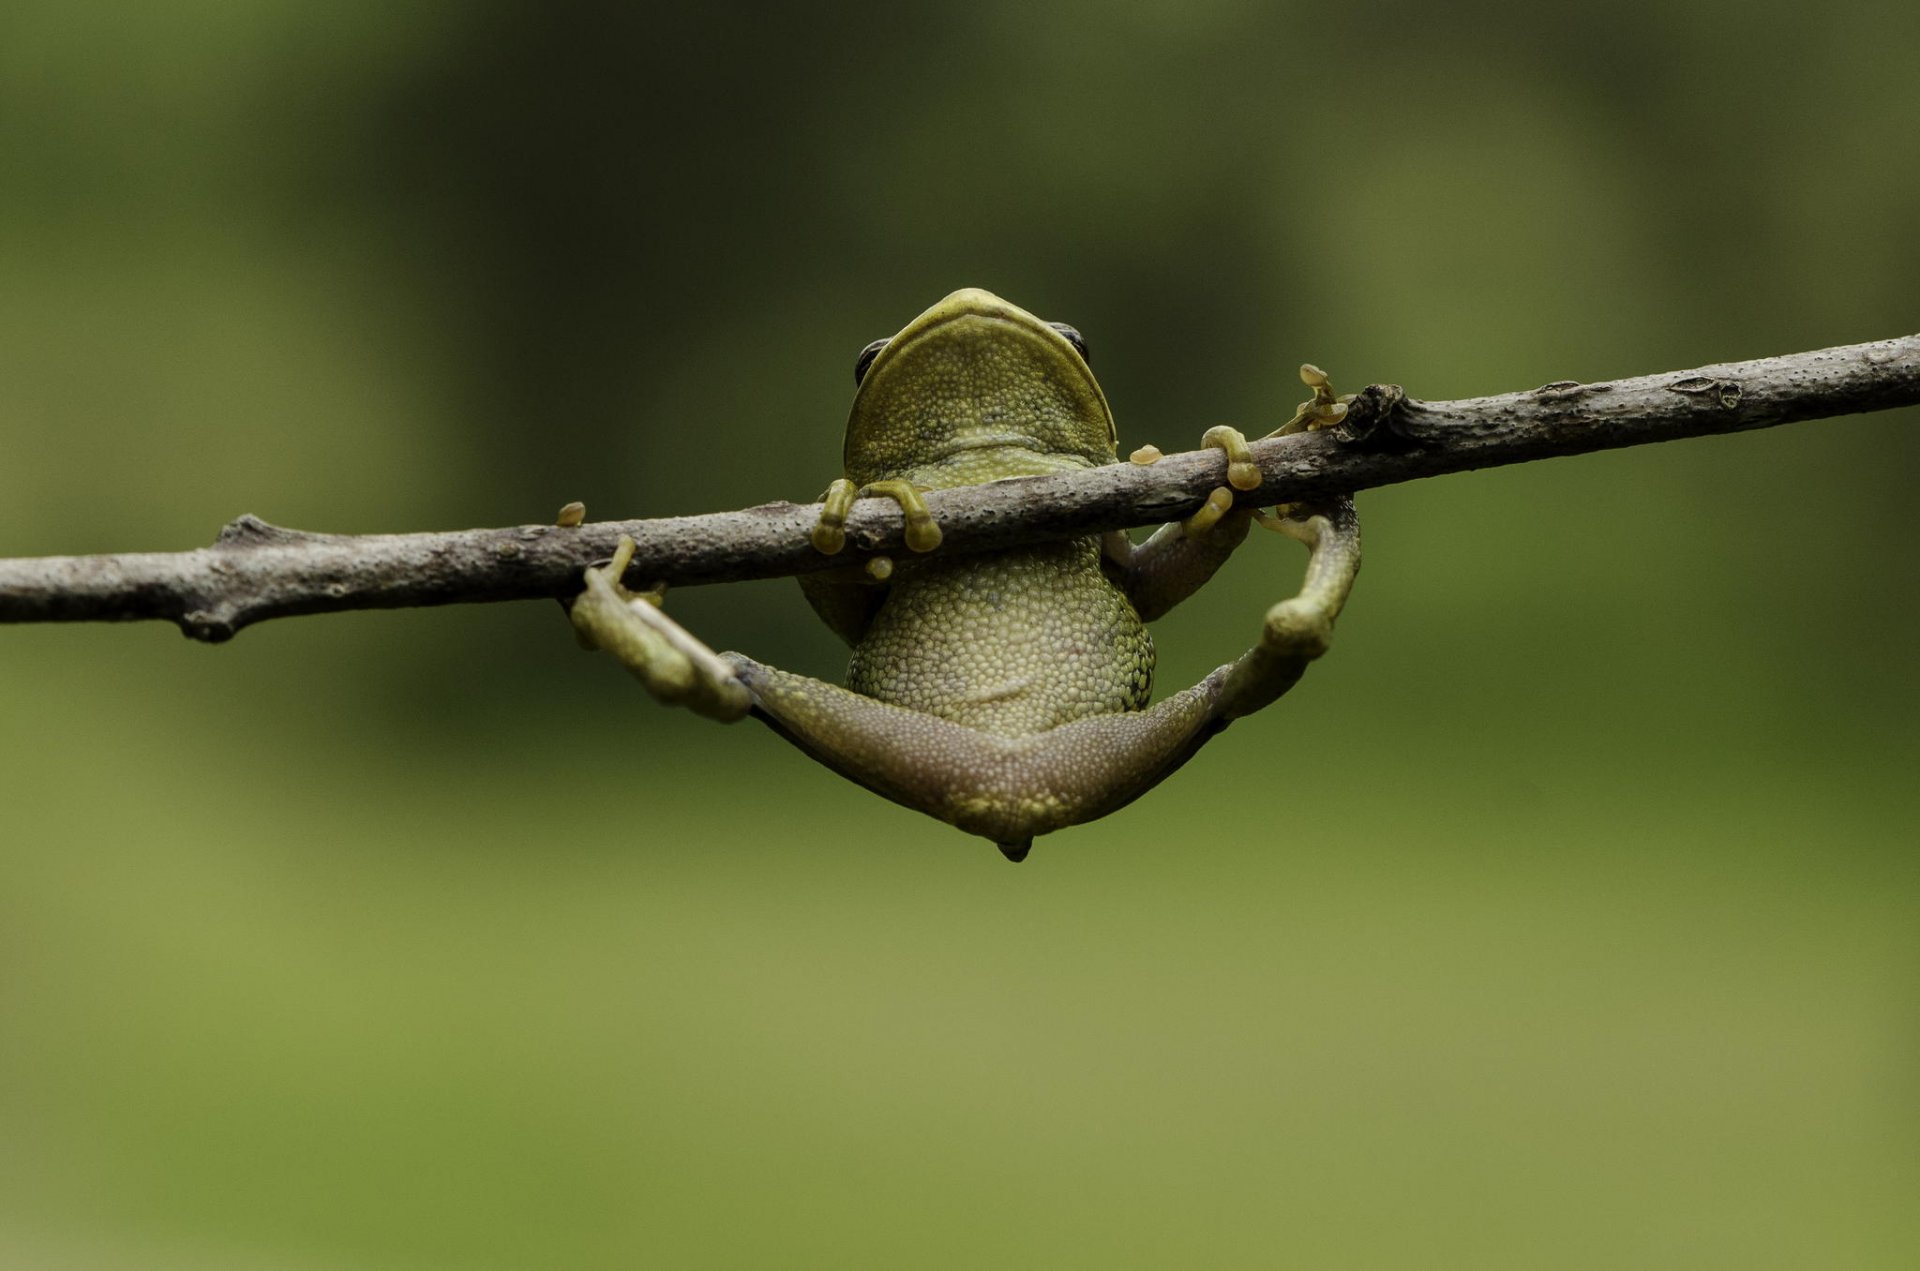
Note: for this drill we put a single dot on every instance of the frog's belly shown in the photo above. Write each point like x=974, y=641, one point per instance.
x=1010, y=644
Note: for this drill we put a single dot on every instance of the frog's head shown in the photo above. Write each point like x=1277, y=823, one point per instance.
x=981, y=387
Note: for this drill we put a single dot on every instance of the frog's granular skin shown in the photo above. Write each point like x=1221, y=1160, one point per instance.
x=1010, y=644
x=1006, y=693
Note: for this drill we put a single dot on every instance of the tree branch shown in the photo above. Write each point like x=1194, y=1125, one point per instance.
x=255, y=571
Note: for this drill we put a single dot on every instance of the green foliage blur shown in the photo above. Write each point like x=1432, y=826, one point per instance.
x=1565, y=916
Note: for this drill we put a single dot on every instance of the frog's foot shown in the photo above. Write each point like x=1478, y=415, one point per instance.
x=673, y=665
x=1299, y=629
x=1322, y=410
x=830, y=535
x=1242, y=474
x=1288, y=519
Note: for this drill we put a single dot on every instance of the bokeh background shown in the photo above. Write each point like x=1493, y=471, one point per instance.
x=1564, y=917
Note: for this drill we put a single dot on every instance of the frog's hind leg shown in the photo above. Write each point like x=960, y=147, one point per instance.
x=668, y=659
x=1298, y=630
x=1011, y=789
x=1007, y=789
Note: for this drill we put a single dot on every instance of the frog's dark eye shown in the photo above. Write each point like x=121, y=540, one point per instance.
x=861, y=363
x=1078, y=341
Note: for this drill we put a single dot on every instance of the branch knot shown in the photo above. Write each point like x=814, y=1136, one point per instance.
x=1376, y=418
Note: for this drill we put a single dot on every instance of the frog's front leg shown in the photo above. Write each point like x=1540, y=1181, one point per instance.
x=1179, y=558
x=1173, y=563
x=1322, y=410
x=675, y=666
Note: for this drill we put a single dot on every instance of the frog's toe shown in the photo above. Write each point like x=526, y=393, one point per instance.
x=1289, y=519
x=1218, y=504
x=829, y=532
x=1242, y=474
x=922, y=532
x=1322, y=410
x=1016, y=851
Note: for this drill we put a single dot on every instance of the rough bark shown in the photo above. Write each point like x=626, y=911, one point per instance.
x=255, y=571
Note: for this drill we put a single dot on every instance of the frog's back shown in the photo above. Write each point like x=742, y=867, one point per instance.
x=1012, y=643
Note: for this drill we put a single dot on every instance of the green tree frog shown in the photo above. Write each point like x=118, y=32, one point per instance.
x=1005, y=693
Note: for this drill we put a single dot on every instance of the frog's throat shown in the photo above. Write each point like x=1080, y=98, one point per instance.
x=970, y=464
x=1008, y=321
x=991, y=441
x=1012, y=365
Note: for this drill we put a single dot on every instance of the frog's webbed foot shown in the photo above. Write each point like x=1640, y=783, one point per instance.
x=668, y=659
x=1322, y=410
x=1298, y=630
x=830, y=535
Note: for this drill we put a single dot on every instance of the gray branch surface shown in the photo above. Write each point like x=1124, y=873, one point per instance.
x=255, y=571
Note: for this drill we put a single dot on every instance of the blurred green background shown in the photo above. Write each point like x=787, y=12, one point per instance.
x=1576, y=926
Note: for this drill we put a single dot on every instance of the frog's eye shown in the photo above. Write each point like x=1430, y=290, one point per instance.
x=1078, y=341
x=861, y=363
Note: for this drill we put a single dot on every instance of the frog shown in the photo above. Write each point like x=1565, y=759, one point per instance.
x=1006, y=693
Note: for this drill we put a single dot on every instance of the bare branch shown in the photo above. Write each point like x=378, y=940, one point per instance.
x=256, y=571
